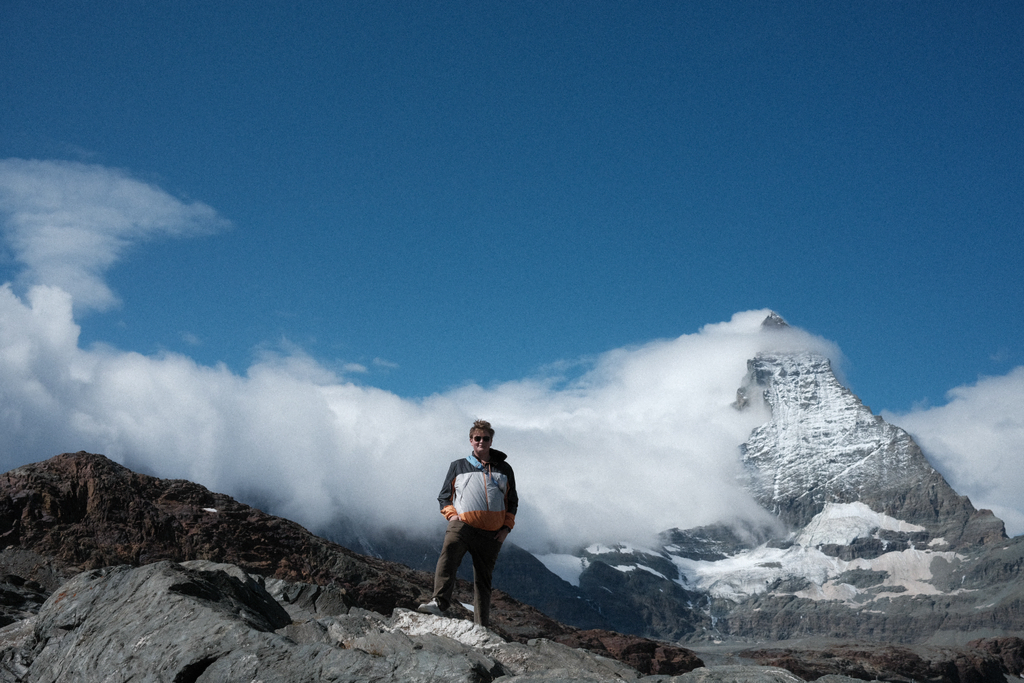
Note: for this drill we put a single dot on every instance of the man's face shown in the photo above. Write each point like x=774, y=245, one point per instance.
x=481, y=442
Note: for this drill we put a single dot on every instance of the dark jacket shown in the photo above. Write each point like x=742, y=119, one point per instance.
x=482, y=494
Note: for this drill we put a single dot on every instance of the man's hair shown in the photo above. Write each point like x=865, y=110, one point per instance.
x=482, y=426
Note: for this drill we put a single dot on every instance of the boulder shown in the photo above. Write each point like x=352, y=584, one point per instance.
x=646, y=656
x=1009, y=651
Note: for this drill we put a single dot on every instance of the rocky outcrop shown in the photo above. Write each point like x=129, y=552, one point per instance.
x=205, y=622
x=80, y=511
x=85, y=511
x=646, y=656
x=1009, y=652
x=19, y=598
x=889, y=663
x=75, y=525
x=200, y=621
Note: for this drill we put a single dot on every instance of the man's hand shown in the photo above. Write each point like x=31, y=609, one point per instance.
x=502, y=534
x=454, y=517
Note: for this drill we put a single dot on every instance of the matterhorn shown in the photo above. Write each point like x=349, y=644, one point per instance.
x=869, y=541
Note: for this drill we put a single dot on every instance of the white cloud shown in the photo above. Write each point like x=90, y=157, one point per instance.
x=355, y=368
x=191, y=339
x=644, y=441
x=67, y=222
x=976, y=441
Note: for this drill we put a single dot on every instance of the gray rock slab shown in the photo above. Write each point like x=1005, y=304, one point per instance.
x=737, y=673
x=173, y=623
x=200, y=622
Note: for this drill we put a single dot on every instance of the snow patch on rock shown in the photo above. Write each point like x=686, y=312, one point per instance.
x=633, y=567
x=566, y=567
x=754, y=572
x=843, y=523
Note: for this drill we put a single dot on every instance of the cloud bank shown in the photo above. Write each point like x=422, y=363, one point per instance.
x=976, y=441
x=67, y=223
x=644, y=440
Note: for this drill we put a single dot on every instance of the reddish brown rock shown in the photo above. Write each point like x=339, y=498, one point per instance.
x=85, y=511
x=1009, y=651
x=886, y=662
x=646, y=656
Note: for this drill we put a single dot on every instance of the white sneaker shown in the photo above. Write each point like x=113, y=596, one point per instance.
x=431, y=608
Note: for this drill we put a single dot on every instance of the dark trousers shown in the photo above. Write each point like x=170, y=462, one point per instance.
x=481, y=545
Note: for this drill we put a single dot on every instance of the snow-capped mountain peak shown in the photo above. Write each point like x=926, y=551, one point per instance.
x=822, y=444
x=865, y=520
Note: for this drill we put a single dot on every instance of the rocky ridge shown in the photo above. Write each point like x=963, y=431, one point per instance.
x=200, y=621
x=108, y=570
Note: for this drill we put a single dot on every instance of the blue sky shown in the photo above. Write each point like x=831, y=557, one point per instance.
x=418, y=198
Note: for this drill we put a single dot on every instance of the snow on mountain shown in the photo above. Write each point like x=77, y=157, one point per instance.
x=822, y=444
x=564, y=566
x=864, y=522
x=814, y=574
x=843, y=523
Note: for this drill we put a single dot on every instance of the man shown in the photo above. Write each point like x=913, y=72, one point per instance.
x=479, y=500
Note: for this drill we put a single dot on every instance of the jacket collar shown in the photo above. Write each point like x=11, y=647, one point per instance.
x=496, y=457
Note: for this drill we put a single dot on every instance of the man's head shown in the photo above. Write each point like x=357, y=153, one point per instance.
x=480, y=436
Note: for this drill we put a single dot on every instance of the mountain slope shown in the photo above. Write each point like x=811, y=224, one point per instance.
x=81, y=512
x=84, y=511
x=822, y=445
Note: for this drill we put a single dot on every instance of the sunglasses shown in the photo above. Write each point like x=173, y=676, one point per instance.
x=485, y=439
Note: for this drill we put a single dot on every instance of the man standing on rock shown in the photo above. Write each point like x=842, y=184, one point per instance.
x=479, y=500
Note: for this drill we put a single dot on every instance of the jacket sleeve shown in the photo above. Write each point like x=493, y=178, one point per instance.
x=511, y=500
x=447, y=496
